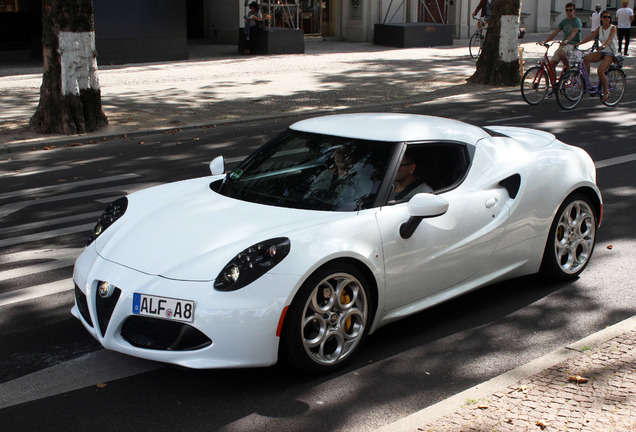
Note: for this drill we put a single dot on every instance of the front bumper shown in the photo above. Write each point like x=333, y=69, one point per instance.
x=239, y=326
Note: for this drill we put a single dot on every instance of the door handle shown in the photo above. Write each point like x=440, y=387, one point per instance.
x=491, y=202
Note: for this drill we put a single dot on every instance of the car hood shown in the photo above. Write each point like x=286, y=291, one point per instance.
x=186, y=231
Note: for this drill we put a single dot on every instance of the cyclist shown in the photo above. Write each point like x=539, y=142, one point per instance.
x=607, y=50
x=484, y=6
x=571, y=27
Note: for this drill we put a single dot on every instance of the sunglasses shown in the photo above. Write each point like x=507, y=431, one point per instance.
x=569, y=10
x=606, y=16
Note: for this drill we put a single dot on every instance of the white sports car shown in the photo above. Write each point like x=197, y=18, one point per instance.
x=315, y=240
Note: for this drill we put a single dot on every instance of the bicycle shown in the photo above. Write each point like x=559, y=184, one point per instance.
x=575, y=82
x=477, y=39
x=539, y=79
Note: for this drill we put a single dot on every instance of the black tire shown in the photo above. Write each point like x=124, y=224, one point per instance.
x=571, y=239
x=616, y=84
x=328, y=319
x=534, y=85
x=475, y=44
x=570, y=90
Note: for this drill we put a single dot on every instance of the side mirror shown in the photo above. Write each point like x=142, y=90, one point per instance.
x=217, y=166
x=427, y=205
x=422, y=205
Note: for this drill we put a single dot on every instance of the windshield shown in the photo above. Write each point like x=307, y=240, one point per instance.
x=311, y=171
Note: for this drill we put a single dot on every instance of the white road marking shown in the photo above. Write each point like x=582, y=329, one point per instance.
x=14, y=207
x=62, y=258
x=50, y=222
x=64, y=186
x=615, y=161
x=47, y=234
x=88, y=370
x=37, y=291
x=40, y=254
x=34, y=171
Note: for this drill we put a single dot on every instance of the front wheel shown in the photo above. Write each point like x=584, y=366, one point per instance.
x=474, y=47
x=616, y=84
x=328, y=319
x=534, y=85
x=570, y=90
x=571, y=239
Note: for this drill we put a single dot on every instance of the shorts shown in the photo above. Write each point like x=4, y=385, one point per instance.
x=568, y=48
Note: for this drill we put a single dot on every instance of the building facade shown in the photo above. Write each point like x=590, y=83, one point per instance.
x=354, y=20
x=158, y=30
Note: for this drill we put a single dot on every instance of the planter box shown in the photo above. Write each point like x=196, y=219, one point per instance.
x=274, y=41
x=413, y=35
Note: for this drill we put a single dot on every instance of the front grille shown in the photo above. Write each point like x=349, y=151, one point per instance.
x=159, y=334
x=82, y=305
x=105, y=308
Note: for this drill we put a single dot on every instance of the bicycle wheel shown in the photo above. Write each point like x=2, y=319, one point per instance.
x=534, y=85
x=616, y=86
x=570, y=90
x=474, y=47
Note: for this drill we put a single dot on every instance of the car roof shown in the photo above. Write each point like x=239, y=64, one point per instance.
x=392, y=127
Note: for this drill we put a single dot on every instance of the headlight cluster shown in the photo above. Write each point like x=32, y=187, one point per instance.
x=114, y=211
x=252, y=263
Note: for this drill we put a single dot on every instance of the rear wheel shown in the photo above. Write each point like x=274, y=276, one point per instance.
x=570, y=90
x=328, y=319
x=534, y=85
x=474, y=47
x=616, y=83
x=571, y=239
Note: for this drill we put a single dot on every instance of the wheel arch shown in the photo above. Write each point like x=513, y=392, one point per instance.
x=594, y=198
x=359, y=265
x=286, y=355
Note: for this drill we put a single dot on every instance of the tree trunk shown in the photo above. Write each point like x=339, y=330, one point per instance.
x=498, y=63
x=70, y=98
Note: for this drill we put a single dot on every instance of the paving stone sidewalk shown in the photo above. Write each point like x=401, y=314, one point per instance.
x=594, y=391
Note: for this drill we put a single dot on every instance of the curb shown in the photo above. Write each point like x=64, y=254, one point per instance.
x=485, y=389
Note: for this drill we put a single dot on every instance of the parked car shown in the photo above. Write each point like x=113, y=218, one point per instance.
x=304, y=249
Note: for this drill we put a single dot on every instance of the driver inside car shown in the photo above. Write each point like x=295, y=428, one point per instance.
x=407, y=182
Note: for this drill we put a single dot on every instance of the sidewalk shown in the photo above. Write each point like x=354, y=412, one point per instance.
x=588, y=386
x=217, y=86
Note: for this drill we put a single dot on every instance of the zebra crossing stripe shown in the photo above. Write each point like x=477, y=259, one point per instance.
x=50, y=222
x=34, y=292
x=47, y=234
x=65, y=186
x=7, y=209
x=36, y=268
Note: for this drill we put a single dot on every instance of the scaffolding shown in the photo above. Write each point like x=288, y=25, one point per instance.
x=281, y=13
x=433, y=11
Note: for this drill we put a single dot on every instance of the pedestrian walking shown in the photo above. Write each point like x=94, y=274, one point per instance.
x=624, y=18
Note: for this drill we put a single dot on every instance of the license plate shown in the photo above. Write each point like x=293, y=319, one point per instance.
x=163, y=307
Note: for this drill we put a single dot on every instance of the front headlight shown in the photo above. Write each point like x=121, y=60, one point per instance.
x=252, y=263
x=114, y=211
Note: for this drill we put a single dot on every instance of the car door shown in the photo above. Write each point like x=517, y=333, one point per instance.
x=444, y=251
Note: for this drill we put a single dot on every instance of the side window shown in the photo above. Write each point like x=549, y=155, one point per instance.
x=431, y=167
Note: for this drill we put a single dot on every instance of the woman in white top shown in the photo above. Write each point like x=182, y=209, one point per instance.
x=624, y=18
x=607, y=50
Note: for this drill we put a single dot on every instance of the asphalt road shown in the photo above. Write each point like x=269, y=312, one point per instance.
x=54, y=376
